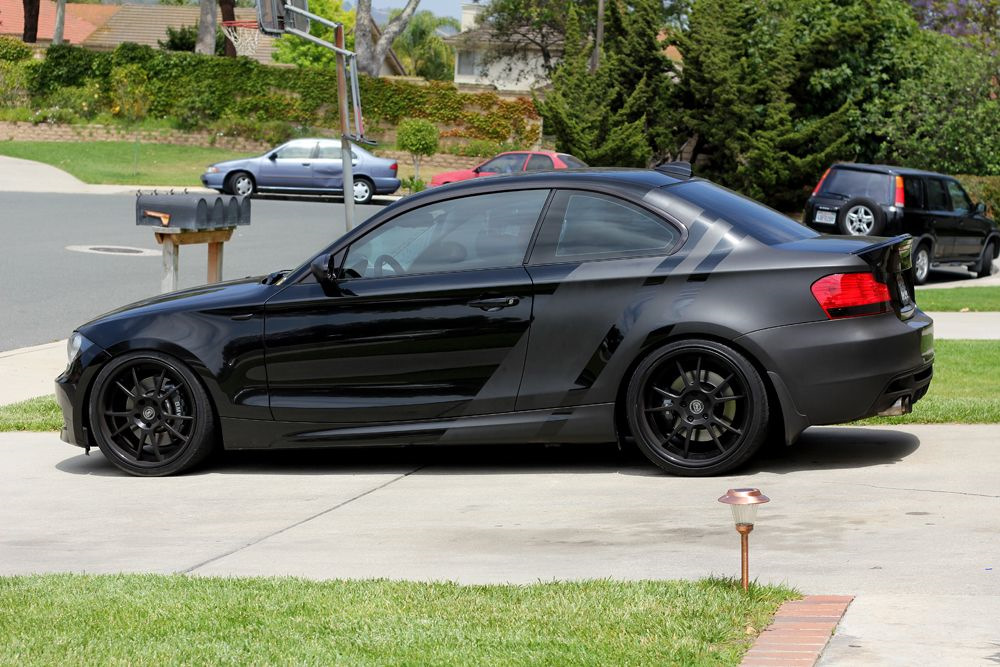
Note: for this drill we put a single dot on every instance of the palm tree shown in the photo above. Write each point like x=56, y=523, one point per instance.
x=421, y=48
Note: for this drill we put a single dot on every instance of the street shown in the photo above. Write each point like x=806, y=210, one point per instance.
x=49, y=290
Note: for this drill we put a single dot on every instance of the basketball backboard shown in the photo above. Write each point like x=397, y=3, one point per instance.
x=275, y=20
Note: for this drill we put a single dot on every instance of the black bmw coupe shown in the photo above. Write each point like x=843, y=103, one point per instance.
x=571, y=307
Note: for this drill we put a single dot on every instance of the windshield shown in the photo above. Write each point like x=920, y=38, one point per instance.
x=744, y=214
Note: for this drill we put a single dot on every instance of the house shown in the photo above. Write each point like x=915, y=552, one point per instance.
x=509, y=74
x=104, y=27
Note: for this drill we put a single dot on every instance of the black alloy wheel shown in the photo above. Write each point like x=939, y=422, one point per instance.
x=697, y=408
x=150, y=415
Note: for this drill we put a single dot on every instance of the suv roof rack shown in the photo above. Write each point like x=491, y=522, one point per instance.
x=677, y=169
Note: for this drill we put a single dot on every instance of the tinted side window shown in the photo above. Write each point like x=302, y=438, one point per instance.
x=296, y=150
x=479, y=232
x=539, y=162
x=572, y=162
x=937, y=195
x=959, y=200
x=913, y=192
x=582, y=226
x=854, y=183
x=505, y=164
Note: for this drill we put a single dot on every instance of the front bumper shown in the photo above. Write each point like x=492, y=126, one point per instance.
x=831, y=372
x=71, y=389
x=216, y=181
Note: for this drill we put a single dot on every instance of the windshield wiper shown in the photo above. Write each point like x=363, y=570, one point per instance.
x=273, y=278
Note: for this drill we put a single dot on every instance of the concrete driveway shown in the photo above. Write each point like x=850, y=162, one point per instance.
x=907, y=519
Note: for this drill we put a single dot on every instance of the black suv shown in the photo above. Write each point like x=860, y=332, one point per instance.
x=879, y=200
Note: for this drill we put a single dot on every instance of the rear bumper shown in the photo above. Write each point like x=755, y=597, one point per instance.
x=386, y=186
x=831, y=372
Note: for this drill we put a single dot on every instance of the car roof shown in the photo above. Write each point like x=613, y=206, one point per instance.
x=886, y=169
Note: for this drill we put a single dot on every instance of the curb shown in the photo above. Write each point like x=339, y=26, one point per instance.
x=799, y=632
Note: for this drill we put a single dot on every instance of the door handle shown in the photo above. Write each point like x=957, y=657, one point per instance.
x=306, y=164
x=495, y=303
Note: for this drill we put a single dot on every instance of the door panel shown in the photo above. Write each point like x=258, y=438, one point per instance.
x=398, y=348
x=328, y=167
x=944, y=222
x=971, y=235
x=291, y=167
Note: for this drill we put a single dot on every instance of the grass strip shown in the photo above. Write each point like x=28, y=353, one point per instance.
x=959, y=299
x=157, y=619
x=965, y=388
x=35, y=414
x=114, y=162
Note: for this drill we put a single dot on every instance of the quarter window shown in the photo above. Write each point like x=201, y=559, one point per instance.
x=913, y=193
x=937, y=195
x=582, y=226
x=478, y=232
x=539, y=163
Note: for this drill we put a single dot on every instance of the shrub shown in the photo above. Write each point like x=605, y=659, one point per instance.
x=413, y=184
x=15, y=78
x=85, y=101
x=54, y=116
x=418, y=137
x=185, y=38
x=13, y=50
x=64, y=65
x=129, y=92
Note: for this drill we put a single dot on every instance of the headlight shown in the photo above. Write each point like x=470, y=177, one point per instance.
x=74, y=347
x=212, y=170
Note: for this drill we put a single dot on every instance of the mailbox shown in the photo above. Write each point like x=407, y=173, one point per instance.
x=183, y=219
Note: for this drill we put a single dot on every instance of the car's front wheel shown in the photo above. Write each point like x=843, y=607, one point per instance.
x=697, y=408
x=985, y=267
x=241, y=184
x=921, y=264
x=363, y=191
x=150, y=415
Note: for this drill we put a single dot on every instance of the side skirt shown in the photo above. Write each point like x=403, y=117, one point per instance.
x=580, y=424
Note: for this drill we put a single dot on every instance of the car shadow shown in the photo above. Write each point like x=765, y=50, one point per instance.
x=817, y=449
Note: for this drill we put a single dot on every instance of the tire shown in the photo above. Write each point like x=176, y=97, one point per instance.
x=921, y=263
x=364, y=190
x=150, y=415
x=985, y=267
x=241, y=184
x=861, y=217
x=697, y=408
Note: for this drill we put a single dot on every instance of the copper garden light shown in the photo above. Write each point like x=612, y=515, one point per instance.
x=744, y=505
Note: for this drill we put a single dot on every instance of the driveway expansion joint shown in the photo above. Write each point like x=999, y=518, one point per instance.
x=258, y=540
x=799, y=632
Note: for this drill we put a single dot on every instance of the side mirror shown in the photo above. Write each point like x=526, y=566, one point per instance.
x=477, y=169
x=273, y=156
x=979, y=208
x=323, y=269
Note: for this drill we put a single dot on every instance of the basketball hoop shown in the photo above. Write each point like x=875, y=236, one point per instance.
x=244, y=35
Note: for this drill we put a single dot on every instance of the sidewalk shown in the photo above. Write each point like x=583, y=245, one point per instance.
x=17, y=175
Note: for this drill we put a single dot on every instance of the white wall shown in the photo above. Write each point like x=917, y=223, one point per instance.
x=506, y=74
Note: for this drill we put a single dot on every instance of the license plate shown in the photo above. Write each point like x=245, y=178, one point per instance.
x=825, y=217
x=904, y=293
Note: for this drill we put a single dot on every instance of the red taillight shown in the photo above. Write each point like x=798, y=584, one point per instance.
x=900, y=195
x=820, y=184
x=393, y=166
x=851, y=295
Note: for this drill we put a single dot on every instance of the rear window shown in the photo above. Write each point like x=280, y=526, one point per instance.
x=744, y=214
x=572, y=162
x=854, y=183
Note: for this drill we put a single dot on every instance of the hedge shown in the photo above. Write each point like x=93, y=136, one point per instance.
x=198, y=90
x=985, y=189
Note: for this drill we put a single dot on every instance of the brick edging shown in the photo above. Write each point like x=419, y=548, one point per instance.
x=799, y=632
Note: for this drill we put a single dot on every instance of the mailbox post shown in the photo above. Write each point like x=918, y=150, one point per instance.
x=183, y=219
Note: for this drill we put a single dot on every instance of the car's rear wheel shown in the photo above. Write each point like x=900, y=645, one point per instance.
x=150, y=416
x=921, y=264
x=364, y=190
x=861, y=217
x=241, y=184
x=697, y=408
x=985, y=267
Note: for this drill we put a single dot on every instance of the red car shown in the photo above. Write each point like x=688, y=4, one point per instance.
x=509, y=163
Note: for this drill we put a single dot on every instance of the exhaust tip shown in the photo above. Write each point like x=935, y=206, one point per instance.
x=901, y=407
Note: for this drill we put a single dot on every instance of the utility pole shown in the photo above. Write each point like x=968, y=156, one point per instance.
x=595, y=58
x=345, y=128
x=57, y=34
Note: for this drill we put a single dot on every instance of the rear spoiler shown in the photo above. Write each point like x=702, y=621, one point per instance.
x=891, y=263
x=875, y=247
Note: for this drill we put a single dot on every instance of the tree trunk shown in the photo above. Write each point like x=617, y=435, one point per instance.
x=30, y=34
x=206, y=28
x=228, y=9
x=595, y=59
x=57, y=34
x=372, y=54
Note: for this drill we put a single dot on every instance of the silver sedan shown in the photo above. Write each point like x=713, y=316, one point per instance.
x=305, y=166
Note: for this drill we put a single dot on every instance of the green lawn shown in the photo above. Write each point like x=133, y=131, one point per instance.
x=965, y=388
x=112, y=162
x=36, y=414
x=976, y=299
x=156, y=619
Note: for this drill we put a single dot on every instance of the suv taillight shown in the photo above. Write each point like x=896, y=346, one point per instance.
x=820, y=184
x=900, y=193
x=851, y=295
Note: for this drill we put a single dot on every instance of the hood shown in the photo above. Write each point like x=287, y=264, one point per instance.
x=237, y=294
x=230, y=164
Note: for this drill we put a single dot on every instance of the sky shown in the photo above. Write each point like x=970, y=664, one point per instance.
x=439, y=7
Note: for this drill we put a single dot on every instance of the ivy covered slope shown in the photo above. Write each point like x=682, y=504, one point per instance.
x=242, y=96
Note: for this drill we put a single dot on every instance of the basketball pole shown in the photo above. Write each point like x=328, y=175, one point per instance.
x=345, y=128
